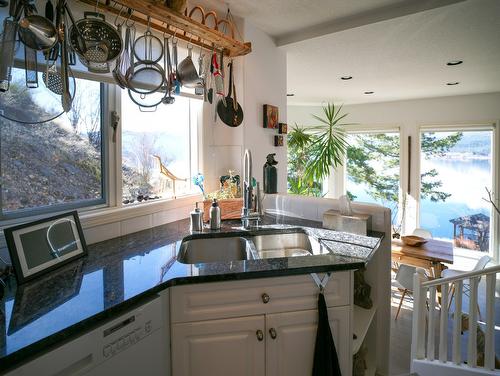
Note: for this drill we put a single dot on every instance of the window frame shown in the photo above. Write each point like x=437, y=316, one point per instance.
x=30, y=213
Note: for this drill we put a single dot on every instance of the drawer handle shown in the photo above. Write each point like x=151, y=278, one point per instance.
x=260, y=335
x=273, y=333
x=265, y=298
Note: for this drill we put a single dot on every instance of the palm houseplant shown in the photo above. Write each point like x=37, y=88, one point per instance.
x=314, y=150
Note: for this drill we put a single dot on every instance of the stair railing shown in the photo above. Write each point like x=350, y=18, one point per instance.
x=425, y=294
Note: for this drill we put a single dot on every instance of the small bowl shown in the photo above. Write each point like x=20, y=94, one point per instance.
x=413, y=240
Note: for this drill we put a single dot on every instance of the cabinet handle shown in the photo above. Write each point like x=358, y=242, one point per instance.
x=265, y=298
x=273, y=333
x=260, y=335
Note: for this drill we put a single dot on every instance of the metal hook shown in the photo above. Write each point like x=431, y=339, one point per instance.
x=130, y=11
x=118, y=15
x=96, y=5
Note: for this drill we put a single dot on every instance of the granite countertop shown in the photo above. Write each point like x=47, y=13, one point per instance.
x=119, y=273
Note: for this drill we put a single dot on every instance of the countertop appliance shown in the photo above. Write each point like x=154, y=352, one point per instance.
x=130, y=345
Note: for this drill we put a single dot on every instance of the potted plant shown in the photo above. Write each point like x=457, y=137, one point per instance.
x=314, y=150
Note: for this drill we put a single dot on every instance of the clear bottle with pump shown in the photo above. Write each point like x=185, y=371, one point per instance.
x=215, y=217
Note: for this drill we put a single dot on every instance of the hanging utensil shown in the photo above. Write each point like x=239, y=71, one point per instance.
x=168, y=99
x=116, y=71
x=148, y=47
x=230, y=112
x=130, y=70
x=7, y=53
x=37, y=32
x=186, y=71
x=102, y=42
x=177, y=84
x=30, y=67
x=66, y=99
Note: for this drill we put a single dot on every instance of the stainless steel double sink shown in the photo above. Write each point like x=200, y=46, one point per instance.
x=237, y=248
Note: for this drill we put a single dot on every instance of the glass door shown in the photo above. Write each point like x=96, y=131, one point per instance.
x=456, y=169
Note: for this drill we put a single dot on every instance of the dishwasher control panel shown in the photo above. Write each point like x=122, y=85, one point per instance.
x=126, y=331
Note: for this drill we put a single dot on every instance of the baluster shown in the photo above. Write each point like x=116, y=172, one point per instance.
x=418, y=340
x=443, y=325
x=431, y=324
x=457, y=324
x=489, y=343
x=472, y=344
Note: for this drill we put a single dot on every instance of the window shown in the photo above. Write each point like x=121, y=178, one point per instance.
x=159, y=149
x=456, y=167
x=56, y=165
x=373, y=169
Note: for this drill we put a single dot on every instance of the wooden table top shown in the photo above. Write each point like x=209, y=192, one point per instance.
x=433, y=250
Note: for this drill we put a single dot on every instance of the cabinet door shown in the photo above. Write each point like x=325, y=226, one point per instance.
x=291, y=352
x=219, y=347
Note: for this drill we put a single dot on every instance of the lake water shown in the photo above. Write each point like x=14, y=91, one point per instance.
x=465, y=180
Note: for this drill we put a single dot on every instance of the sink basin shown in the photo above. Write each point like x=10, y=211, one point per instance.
x=283, y=245
x=202, y=250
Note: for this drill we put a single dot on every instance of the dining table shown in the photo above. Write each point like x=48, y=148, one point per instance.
x=432, y=255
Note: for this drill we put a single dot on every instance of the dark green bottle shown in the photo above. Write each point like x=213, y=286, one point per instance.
x=270, y=175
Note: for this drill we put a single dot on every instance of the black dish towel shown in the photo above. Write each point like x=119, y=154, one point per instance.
x=326, y=362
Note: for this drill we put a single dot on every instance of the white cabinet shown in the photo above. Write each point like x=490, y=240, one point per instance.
x=219, y=347
x=290, y=348
x=256, y=327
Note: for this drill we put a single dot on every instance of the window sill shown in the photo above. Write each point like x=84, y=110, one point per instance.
x=109, y=215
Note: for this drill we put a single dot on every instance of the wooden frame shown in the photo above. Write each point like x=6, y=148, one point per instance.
x=38, y=247
x=164, y=19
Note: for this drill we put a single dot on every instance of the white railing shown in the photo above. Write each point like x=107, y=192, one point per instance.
x=424, y=311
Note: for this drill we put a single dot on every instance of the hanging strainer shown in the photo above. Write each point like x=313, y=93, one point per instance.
x=103, y=43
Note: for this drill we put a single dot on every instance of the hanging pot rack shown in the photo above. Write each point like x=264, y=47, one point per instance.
x=166, y=20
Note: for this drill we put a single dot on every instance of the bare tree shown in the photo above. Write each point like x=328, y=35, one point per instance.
x=144, y=151
x=85, y=114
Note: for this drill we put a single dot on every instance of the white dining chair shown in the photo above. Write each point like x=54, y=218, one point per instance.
x=480, y=265
x=422, y=232
x=404, y=281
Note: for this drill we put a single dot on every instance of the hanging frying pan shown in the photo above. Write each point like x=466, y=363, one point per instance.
x=230, y=111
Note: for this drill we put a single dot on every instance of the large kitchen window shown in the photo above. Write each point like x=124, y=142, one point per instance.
x=159, y=149
x=372, y=169
x=456, y=170
x=56, y=165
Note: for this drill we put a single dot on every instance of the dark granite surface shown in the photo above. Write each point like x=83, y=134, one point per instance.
x=119, y=273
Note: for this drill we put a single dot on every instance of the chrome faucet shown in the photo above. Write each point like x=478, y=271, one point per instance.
x=250, y=213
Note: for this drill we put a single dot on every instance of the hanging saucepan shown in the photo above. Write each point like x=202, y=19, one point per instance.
x=148, y=76
x=186, y=71
x=230, y=111
x=101, y=41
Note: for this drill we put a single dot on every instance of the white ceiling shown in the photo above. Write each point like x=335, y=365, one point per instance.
x=399, y=58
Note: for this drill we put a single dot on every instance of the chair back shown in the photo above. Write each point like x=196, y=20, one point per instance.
x=405, y=274
x=482, y=262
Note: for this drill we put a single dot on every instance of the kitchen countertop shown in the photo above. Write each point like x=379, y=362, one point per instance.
x=118, y=274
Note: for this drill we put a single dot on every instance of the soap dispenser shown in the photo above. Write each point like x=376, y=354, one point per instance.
x=215, y=215
x=196, y=219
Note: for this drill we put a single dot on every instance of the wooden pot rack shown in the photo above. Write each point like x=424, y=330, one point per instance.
x=166, y=20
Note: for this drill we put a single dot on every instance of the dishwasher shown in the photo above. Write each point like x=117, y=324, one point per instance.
x=133, y=344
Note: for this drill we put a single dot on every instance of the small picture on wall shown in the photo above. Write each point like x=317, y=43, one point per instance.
x=271, y=116
x=278, y=140
x=283, y=128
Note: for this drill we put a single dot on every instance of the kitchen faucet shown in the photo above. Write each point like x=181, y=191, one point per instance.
x=249, y=214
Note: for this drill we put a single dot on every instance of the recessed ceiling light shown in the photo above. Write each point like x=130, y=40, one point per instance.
x=452, y=83
x=290, y=95
x=369, y=92
x=454, y=62
x=345, y=78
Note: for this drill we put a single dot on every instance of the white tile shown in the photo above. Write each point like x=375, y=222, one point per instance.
x=160, y=218
x=103, y=232
x=131, y=225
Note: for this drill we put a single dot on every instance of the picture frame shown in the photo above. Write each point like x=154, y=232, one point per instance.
x=41, y=246
x=278, y=140
x=271, y=116
x=283, y=128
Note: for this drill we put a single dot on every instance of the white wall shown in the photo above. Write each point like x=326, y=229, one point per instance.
x=265, y=83
x=443, y=110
